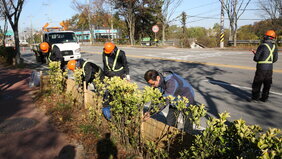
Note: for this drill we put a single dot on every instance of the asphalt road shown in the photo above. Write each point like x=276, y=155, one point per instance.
x=222, y=79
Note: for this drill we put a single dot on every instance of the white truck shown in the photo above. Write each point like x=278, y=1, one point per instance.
x=58, y=37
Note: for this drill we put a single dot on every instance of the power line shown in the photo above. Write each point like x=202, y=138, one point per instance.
x=203, y=5
x=217, y=19
x=209, y=11
x=195, y=16
x=200, y=6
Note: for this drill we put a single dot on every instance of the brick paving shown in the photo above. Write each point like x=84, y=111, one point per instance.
x=38, y=141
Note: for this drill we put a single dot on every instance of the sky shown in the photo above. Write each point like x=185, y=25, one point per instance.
x=204, y=13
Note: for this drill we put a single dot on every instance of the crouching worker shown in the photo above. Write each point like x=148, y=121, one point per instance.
x=89, y=70
x=171, y=84
x=54, y=54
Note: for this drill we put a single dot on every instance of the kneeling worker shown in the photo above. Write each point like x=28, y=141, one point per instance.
x=89, y=69
x=114, y=61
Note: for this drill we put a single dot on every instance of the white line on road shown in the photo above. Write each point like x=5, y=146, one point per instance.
x=233, y=85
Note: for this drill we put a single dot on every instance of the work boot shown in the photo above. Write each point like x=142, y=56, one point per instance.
x=253, y=100
x=263, y=99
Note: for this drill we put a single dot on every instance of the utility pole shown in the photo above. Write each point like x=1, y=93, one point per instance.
x=280, y=16
x=112, y=25
x=222, y=25
x=89, y=22
x=31, y=27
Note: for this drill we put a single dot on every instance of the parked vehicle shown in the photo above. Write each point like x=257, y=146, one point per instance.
x=65, y=40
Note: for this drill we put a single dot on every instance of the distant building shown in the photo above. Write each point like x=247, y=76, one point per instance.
x=9, y=33
x=9, y=41
x=98, y=34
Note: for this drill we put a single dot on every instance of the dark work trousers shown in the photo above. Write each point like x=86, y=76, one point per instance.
x=171, y=116
x=171, y=119
x=261, y=77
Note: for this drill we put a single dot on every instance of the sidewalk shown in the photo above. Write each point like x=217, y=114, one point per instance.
x=25, y=132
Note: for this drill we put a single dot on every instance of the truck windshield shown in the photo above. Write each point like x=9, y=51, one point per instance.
x=62, y=37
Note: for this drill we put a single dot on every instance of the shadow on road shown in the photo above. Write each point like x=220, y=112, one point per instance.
x=196, y=73
x=33, y=141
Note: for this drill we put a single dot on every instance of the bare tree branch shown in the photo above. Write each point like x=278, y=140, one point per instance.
x=272, y=8
x=234, y=10
x=168, y=9
x=13, y=13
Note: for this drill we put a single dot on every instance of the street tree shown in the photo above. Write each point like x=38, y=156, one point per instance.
x=272, y=8
x=183, y=21
x=128, y=9
x=246, y=32
x=147, y=17
x=168, y=9
x=184, y=37
x=12, y=10
x=234, y=10
x=3, y=31
x=88, y=10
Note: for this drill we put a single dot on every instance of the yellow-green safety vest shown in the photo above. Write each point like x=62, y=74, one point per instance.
x=84, y=66
x=270, y=55
x=114, y=64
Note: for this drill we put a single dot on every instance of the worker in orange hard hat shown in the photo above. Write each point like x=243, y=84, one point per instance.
x=55, y=54
x=89, y=69
x=115, y=62
x=44, y=50
x=44, y=47
x=265, y=56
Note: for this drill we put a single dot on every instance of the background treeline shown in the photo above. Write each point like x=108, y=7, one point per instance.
x=146, y=18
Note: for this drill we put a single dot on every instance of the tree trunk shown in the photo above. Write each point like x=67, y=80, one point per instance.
x=131, y=25
x=132, y=30
x=5, y=31
x=235, y=34
x=17, y=44
x=163, y=34
x=232, y=27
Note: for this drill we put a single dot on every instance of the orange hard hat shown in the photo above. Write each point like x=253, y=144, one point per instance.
x=44, y=47
x=109, y=47
x=71, y=65
x=270, y=33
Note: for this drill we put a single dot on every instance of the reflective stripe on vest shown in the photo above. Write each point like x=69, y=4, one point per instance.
x=83, y=68
x=270, y=55
x=114, y=64
x=99, y=72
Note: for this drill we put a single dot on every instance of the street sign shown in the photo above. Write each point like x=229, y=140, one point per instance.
x=155, y=29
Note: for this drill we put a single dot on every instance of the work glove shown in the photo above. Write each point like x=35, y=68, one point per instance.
x=127, y=77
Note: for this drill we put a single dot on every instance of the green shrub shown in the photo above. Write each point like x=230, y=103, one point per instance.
x=56, y=77
x=237, y=140
x=127, y=104
x=218, y=140
x=8, y=53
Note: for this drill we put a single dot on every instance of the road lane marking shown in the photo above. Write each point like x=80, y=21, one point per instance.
x=237, y=86
x=193, y=62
